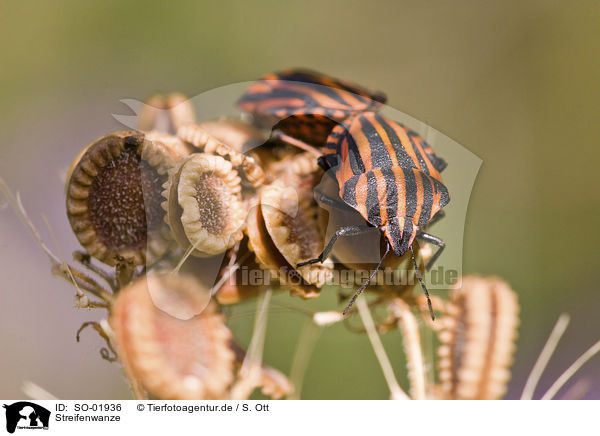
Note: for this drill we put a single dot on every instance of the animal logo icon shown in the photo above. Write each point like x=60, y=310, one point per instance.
x=26, y=415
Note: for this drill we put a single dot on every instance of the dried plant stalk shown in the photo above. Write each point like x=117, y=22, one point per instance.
x=396, y=392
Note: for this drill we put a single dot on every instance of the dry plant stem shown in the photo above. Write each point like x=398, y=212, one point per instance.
x=136, y=387
x=35, y=391
x=62, y=267
x=411, y=341
x=185, y=257
x=232, y=267
x=396, y=391
x=249, y=375
x=545, y=355
x=306, y=344
x=17, y=206
x=64, y=262
x=65, y=270
x=257, y=342
x=82, y=282
x=85, y=260
x=559, y=383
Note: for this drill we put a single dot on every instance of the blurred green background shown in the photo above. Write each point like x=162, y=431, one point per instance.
x=517, y=83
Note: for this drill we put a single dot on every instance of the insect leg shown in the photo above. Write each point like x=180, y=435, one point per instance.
x=425, y=291
x=328, y=161
x=426, y=237
x=330, y=201
x=366, y=283
x=343, y=231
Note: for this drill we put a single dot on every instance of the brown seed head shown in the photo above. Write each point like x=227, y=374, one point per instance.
x=203, y=204
x=113, y=198
x=294, y=232
x=231, y=139
x=271, y=260
x=478, y=334
x=173, y=358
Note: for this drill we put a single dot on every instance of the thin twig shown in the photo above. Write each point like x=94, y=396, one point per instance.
x=545, y=355
x=559, y=383
x=85, y=260
x=81, y=281
x=62, y=257
x=386, y=367
x=19, y=210
x=187, y=254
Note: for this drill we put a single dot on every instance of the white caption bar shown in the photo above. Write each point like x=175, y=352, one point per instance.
x=306, y=418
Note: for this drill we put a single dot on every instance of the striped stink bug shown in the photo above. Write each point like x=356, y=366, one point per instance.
x=386, y=172
x=391, y=176
x=306, y=105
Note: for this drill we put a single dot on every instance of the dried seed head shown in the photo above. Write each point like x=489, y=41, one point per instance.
x=478, y=337
x=231, y=139
x=203, y=204
x=113, y=198
x=175, y=145
x=294, y=232
x=172, y=358
x=236, y=134
x=271, y=260
x=166, y=113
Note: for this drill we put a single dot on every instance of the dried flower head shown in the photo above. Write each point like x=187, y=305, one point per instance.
x=113, y=197
x=270, y=259
x=178, y=148
x=478, y=333
x=173, y=358
x=236, y=134
x=231, y=139
x=203, y=204
x=294, y=233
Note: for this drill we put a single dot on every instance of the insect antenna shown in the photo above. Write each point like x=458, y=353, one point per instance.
x=366, y=283
x=425, y=291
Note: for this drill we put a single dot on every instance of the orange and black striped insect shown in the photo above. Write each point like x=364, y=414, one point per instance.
x=391, y=176
x=306, y=105
x=387, y=173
